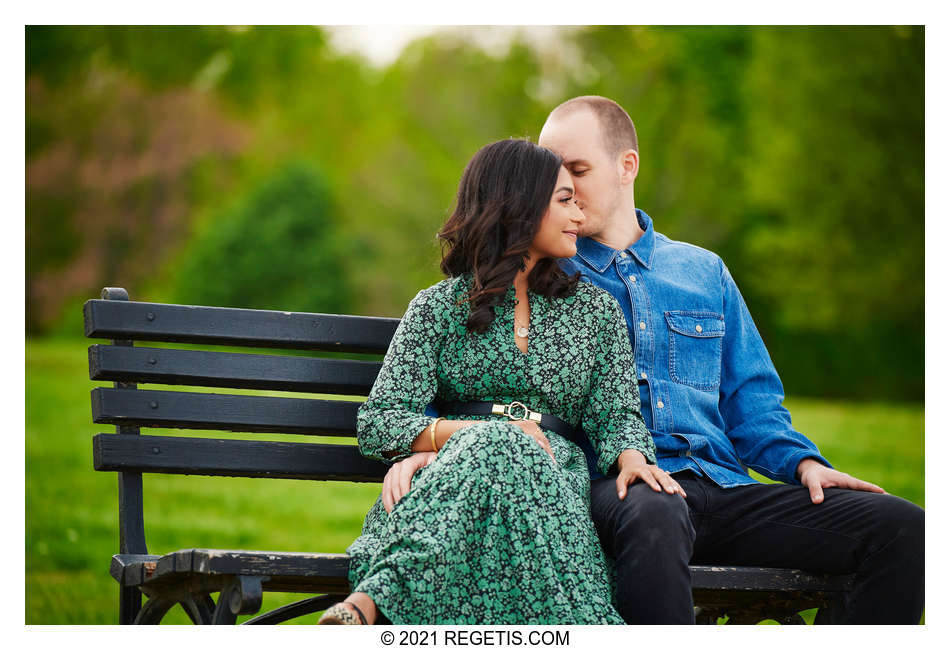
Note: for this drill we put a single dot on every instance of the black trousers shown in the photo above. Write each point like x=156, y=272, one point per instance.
x=654, y=536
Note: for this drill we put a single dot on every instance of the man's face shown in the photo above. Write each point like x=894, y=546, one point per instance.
x=596, y=175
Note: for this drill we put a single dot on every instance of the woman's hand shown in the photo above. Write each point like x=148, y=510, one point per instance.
x=533, y=430
x=399, y=477
x=633, y=465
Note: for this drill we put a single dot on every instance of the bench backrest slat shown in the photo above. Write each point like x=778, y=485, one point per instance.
x=231, y=370
x=221, y=457
x=146, y=321
x=183, y=410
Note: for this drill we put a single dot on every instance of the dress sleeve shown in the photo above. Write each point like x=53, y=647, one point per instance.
x=612, y=418
x=393, y=415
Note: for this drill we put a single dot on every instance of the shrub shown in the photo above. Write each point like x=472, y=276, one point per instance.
x=278, y=248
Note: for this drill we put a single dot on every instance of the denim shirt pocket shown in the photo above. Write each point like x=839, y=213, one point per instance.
x=696, y=348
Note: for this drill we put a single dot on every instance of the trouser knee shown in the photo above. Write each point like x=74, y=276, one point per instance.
x=645, y=517
x=898, y=530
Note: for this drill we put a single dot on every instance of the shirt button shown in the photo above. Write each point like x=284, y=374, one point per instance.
x=688, y=453
x=632, y=278
x=623, y=255
x=643, y=375
x=643, y=325
x=699, y=328
x=659, y=404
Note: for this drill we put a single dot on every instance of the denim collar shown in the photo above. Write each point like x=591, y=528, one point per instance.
x=599, y=256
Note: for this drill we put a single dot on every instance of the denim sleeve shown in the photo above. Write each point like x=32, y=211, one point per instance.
x=751, y=395
x=394, y=413
x=611, y=416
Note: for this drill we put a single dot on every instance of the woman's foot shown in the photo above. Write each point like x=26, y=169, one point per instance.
x=357, y=609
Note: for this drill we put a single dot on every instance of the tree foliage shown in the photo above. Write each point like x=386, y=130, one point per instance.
x=278, y=248
x=156, y=154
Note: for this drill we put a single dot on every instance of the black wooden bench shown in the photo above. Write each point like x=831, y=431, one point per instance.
x=190, y=577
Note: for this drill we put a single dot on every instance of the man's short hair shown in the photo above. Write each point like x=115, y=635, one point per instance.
x=616, y=126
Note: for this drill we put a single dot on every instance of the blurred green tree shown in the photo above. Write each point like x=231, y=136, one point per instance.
x=278, y=248
x=796, y=153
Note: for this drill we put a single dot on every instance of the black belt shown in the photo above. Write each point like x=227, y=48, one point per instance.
x=518, y=411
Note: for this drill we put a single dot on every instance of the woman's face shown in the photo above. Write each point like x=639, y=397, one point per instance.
x=557, y=236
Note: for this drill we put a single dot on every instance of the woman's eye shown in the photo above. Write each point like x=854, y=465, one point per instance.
x=567, y=199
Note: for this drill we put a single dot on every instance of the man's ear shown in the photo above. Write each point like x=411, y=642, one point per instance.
x=629, y=166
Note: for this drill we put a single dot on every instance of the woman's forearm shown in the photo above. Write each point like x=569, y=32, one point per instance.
x=443, y=431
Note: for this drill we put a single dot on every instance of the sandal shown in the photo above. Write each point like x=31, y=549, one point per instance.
x=340, y=614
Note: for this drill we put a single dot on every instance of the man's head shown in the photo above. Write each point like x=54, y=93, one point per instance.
x=598, y=143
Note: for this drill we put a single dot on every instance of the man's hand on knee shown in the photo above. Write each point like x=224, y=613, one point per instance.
x=816, y=476
x=399, y=477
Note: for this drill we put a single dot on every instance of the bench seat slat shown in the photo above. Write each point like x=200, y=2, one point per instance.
x=286, y=572
x=231, y=370
x=147, y=321
x=334, y=567
x=249, y=458
x=253, y=413
x=733, y=578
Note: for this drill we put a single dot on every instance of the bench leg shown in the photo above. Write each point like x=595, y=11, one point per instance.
x=200, y=609
x=154, y=610
x=831, y=613
x=130, y=604
x=242, y=595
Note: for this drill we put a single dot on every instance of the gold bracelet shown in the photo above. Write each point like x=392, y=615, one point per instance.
x=432, y=432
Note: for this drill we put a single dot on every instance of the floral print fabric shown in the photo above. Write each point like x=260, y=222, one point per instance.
x=493, y=531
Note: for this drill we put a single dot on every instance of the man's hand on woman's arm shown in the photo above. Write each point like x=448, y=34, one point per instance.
x=816, y=476
x=633, y=465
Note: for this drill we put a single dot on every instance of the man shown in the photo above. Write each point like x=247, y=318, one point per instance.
x=712, y=399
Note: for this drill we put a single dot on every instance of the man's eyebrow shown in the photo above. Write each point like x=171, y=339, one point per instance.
x=579, y=161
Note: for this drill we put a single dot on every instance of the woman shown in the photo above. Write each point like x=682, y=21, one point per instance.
x=496, y=528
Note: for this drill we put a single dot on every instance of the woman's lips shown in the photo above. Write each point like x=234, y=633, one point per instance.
x=571, y=233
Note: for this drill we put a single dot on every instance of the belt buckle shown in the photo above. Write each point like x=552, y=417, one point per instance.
x=507, y=410
x=512, y=416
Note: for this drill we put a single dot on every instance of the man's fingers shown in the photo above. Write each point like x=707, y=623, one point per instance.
x=858, y=484
x=842, y=480
x=814, y=489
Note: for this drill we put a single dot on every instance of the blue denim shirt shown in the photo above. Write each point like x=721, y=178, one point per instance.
x=708, y=390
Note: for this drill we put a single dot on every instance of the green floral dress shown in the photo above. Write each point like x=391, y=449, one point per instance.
x=493, y=531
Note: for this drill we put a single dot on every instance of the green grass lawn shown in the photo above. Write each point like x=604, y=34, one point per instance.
x=71, y=510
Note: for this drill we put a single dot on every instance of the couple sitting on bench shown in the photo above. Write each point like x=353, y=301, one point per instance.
x=599, y=391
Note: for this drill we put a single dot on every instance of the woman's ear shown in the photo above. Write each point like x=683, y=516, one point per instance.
x=629, y=166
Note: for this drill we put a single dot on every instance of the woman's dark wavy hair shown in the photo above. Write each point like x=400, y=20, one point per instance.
x=505, y=191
